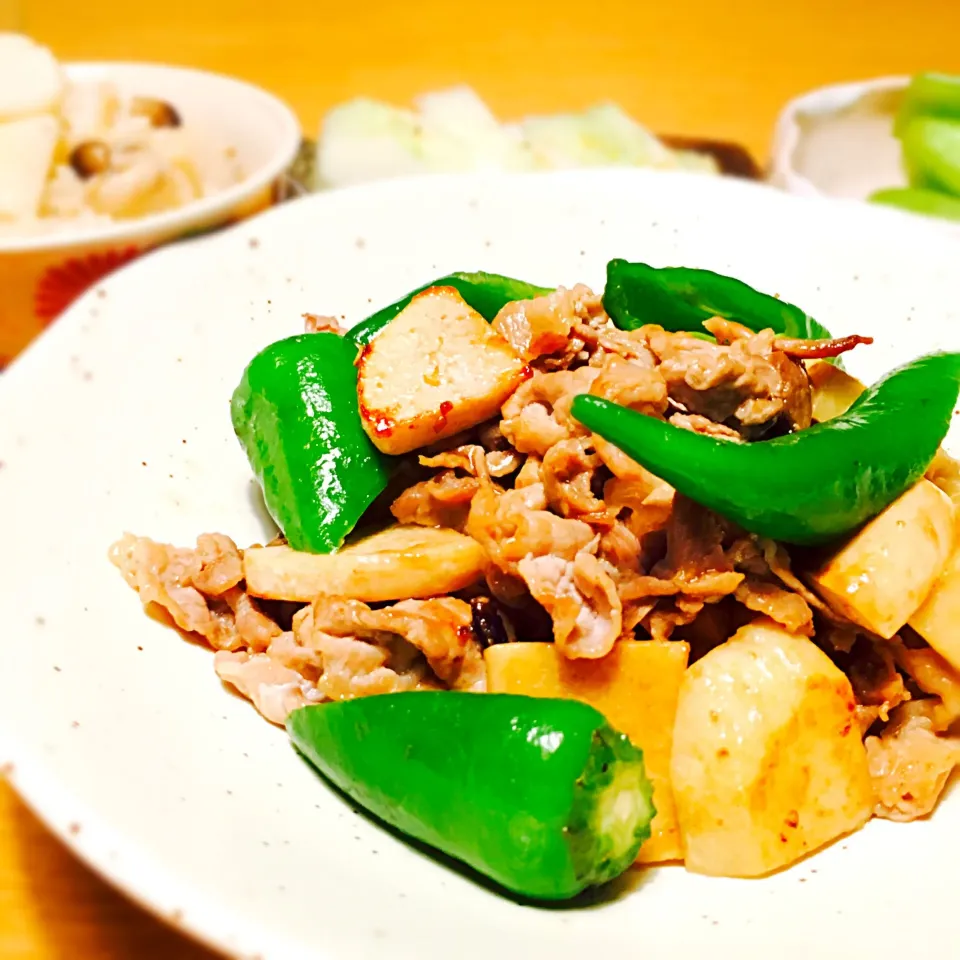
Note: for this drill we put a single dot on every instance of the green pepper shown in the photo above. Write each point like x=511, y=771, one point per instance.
x=681, y=298
x=487, y=293
x=543, y=796
x=928, y=95
x=807, y=487
x=295, y=412
x=932, y=203
x=931, y=153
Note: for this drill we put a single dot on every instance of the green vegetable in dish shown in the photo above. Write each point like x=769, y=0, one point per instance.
x=807, y=487
x=931, y=153
x=928, y=126
x=540, y=795
x=929, y=95
x=680, y=298
x=487, y=293
x=296, y=415
x=603, y=135
x=932, y=203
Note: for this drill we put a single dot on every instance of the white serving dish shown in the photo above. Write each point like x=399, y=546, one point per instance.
x=118, y=732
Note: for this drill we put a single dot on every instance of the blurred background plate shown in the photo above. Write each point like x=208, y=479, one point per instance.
x=42, y=274
x=838, y=141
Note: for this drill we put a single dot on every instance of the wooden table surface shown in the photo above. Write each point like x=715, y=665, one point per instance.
x=695, y=67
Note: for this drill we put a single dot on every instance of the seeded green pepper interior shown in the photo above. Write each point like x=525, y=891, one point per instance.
x=808, y=487
x=542, y=796
x=296, y=415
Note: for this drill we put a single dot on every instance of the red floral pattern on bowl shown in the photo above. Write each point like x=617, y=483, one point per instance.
x=43, y=273
x=62, y=283
x=38, y=284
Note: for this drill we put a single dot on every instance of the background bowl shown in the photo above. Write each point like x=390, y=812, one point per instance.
x=41, y=275
x=838, y=141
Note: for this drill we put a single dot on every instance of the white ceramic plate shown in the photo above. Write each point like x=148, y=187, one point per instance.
x=119, y=733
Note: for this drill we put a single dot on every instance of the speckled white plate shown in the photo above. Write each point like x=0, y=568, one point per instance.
x=120, y=735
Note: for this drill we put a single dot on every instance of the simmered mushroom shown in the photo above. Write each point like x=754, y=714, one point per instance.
x=90, y=158
x=159, y=113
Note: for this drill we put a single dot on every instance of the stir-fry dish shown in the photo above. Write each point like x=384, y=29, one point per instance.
x=568, y=581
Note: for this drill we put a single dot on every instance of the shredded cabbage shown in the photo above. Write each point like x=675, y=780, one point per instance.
x=454, y=130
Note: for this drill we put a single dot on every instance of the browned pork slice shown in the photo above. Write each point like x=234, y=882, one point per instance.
x=935, y=677
x=440, y=629
x=639, y=386
x=354, y=662
x=636, y=384
x=698, y=424
x=441, y=501
x=695, y=555
x=780, y=605
x=476, y=459
x=747, y=384
x=274, y=689
x=198, y=588
x=537, y=415
x=910, y=766
x=513, y=524
x=581, y=597
x=643, y=502
x=567, y=471
x=542, y=326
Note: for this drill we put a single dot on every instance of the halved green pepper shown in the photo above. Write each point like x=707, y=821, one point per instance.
x=487, y=293
x=807, y=487
x=681, y=298
x=543, y=796
x=296, y=415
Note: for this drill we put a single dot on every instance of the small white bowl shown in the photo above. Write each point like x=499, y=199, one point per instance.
x=838, y=141
x=41, y=275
